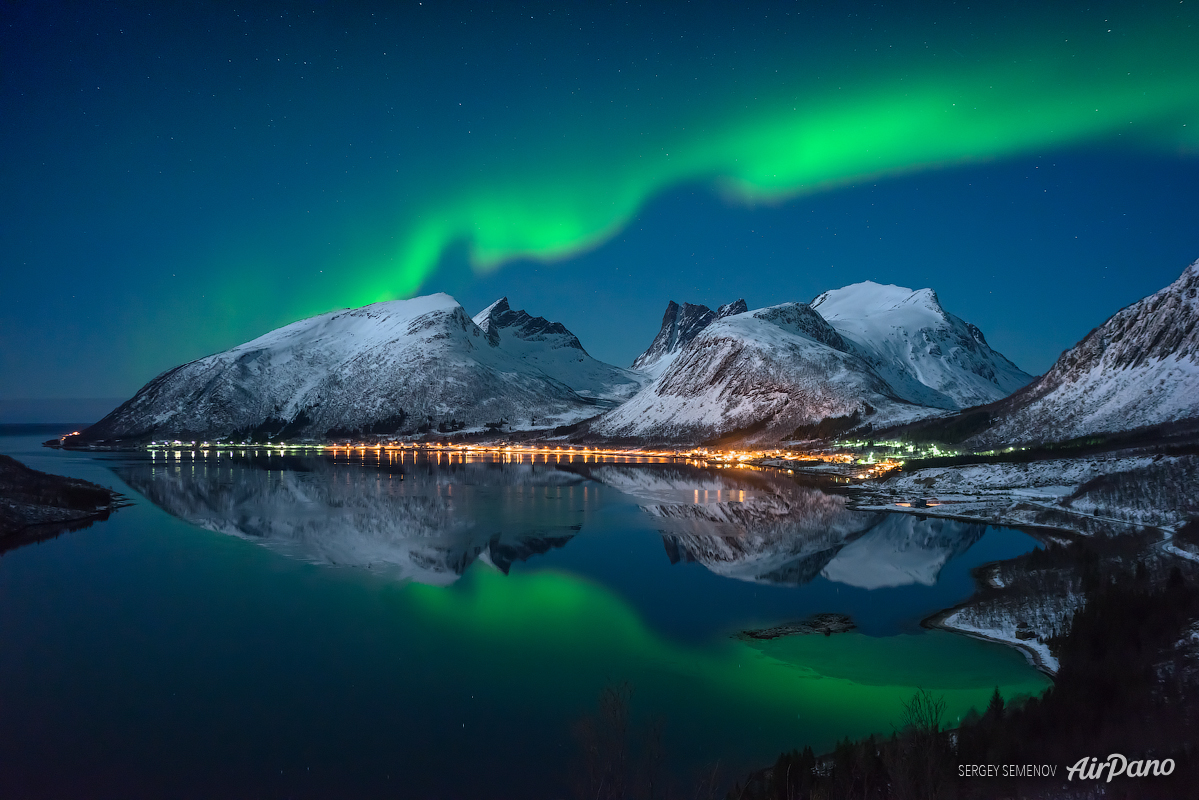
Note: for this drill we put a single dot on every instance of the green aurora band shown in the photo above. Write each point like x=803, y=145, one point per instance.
x=1136, y=87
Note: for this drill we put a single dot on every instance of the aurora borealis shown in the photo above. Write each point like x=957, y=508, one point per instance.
x=181, y=178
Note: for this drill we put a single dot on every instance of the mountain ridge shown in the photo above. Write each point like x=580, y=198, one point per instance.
x=865, y=355
x=1139, y=368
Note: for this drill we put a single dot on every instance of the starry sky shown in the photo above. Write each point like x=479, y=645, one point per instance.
x=181, y=177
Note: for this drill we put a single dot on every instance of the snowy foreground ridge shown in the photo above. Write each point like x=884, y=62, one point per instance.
x=866, y=354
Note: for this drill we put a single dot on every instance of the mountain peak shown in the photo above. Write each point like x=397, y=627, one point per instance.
x=729, y=309
x=868, y=297
x=499, y=316
x=387, y=368
x=681, y=324
x=928, y=355
x=498, y=307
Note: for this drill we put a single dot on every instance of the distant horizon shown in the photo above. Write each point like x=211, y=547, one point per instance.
x=57, y=410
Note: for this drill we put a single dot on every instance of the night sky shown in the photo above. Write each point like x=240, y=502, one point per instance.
x=181, y=177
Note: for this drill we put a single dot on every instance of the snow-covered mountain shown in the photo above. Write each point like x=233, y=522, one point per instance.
x=766, y=373
x=388, y=367
x=1139, y=368
x=557, y=352
x=925, y=354
x=680, y=324
x=866, y=353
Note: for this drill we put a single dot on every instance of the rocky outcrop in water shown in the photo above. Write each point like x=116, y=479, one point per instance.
x=36, y=505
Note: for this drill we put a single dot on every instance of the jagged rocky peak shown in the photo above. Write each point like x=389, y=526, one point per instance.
x=500, y=317
x=680, y=324
x=729, y=309
x=553, y=349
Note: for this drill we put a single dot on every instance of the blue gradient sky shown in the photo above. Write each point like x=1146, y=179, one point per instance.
x=182, y=177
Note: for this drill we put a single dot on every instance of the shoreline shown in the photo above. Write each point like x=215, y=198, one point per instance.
x=938, y=621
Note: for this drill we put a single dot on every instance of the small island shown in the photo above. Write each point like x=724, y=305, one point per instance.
x=828, y=624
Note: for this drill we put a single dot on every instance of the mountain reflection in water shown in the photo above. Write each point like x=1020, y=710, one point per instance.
x=766, y=528
x=198, y=660
x=428, y=522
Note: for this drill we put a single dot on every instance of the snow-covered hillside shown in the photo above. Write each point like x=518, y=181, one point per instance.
x=927, y=355
x=1139, y=368
x=557, y=352
x=768, y=371
x=388, y=367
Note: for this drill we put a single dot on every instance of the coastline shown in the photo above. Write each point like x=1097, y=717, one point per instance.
x=1042, y=660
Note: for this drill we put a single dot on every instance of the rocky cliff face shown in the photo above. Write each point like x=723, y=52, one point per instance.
x=680, y=324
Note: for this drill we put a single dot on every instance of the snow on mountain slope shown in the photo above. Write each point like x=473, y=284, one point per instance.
x=557, y=352
x=770, y=371
x=927, y=355
x=680, y=324
x=386, y=367
x=1140, y=367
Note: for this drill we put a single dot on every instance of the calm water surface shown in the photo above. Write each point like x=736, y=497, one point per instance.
x=267, y=626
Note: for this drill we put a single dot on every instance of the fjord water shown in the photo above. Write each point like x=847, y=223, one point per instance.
x=261, y=625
